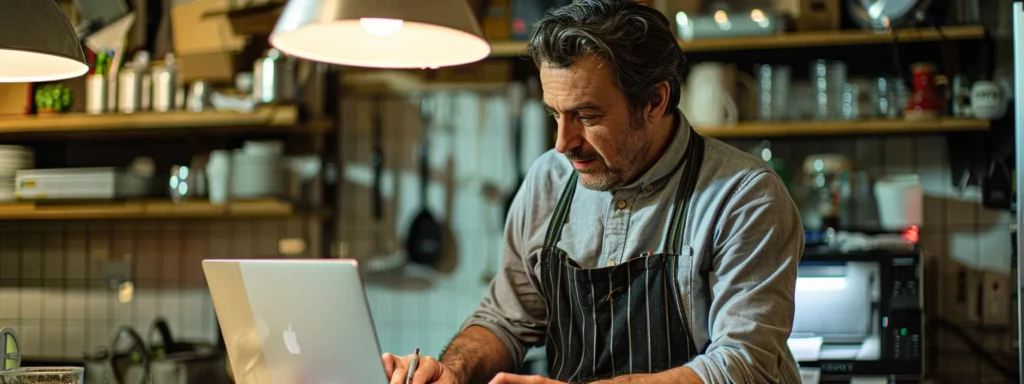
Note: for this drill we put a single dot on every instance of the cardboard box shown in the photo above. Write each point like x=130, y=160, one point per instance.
x=258, y=17
x=205, y=46
x=15, y=98
x=818, y=15
x=195, y=34
x=215, y=67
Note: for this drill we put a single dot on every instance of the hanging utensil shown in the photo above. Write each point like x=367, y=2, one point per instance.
x=492, y=259
x=384, y=258
x=516, y=94
x=423, y=244
x=377, y=162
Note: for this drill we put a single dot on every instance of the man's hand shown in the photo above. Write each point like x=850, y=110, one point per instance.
x=429, y=370
x=508, y=378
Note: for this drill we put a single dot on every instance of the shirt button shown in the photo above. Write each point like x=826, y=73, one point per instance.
x=621, y=204
x=649, y=187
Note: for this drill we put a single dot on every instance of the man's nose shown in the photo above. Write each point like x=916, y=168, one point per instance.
x=569, y=136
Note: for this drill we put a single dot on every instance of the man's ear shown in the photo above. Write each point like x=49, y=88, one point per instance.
x=659, y=103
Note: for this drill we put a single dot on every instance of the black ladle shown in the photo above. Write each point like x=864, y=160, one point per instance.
x=424, y=244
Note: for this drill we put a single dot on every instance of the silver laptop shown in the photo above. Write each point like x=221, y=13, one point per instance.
x=295, y=321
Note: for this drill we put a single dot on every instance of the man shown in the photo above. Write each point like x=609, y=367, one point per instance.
x=637, y=251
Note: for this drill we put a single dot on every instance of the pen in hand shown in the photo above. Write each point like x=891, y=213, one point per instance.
x=412, y=366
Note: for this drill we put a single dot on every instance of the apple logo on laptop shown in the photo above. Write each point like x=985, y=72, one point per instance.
x=291, y=341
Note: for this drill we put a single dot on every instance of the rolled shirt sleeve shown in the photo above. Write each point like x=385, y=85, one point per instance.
x=753, y=280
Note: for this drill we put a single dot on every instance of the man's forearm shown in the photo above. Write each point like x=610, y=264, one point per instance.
x=476, y=355
x=681, y=375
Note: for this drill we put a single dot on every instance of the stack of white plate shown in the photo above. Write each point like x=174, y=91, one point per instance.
x=257, y=171
x=12, y=159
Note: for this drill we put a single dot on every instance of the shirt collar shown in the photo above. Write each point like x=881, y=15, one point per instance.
x=670, y=161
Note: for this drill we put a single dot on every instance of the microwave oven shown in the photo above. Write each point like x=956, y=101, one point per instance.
x=860, y=315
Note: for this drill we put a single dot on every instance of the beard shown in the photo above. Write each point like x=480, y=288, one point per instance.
x=630, y=150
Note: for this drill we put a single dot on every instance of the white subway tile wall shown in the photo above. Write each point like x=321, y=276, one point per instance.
x=55, y=291
x=51, y=285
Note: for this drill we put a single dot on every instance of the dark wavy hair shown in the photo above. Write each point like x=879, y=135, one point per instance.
x=634, y=40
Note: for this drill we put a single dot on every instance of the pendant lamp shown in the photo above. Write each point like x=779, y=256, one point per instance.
x=381, y=33
x=37, y=43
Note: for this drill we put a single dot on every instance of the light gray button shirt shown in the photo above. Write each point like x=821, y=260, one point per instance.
x=743, y=232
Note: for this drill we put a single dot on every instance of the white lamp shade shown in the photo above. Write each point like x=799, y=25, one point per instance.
x=37, y=43
x=381, y=33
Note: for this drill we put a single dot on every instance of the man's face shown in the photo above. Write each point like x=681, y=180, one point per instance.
x=595, y=129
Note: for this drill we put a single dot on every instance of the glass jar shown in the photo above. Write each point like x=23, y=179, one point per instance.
x=823, y=178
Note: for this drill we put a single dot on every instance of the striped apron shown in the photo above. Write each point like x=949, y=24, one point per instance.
x=621, y=319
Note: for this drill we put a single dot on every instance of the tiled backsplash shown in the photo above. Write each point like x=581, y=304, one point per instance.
x=51, y=276
x=55, y=277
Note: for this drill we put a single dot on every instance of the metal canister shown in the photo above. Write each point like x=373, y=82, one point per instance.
x=274, y=78
x=179, y=97
x=146, y=92
x=111, y=93
x=95, y=94
x=164, y=88
x=198, y=96
x=129, y=90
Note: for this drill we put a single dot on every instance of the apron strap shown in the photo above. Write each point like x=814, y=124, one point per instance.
x=694, y=160
x=561, y=211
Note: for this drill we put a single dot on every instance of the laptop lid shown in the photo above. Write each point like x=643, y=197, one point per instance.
x=295, y=321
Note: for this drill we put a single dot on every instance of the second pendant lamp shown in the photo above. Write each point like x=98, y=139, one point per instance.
x=381, y=33
x=37, y=43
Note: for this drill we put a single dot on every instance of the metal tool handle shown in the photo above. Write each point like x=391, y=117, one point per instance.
x=160, y=327
x=377, y=161
x=424, y=170
x=427, y=109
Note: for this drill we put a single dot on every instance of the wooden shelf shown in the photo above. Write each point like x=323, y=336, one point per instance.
x=399, y=82
x=153, y=209
x=795, y=40
x=844, y=128
x=279, y=118
x=508, y=48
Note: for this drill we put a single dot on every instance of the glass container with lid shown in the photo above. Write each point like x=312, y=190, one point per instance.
x=824, y=176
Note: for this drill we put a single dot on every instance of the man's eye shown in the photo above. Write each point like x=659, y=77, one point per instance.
x=587, y=119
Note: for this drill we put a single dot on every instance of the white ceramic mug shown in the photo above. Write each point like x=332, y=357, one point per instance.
x=987, y=100
x=900, y=201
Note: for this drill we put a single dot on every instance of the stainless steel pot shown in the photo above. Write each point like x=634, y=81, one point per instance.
x=175, y=362
x=885, y=14
x=274, y=79
x=165, y=361
x=124, y=361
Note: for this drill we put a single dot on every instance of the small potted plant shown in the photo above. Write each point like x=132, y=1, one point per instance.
x=54, y=98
